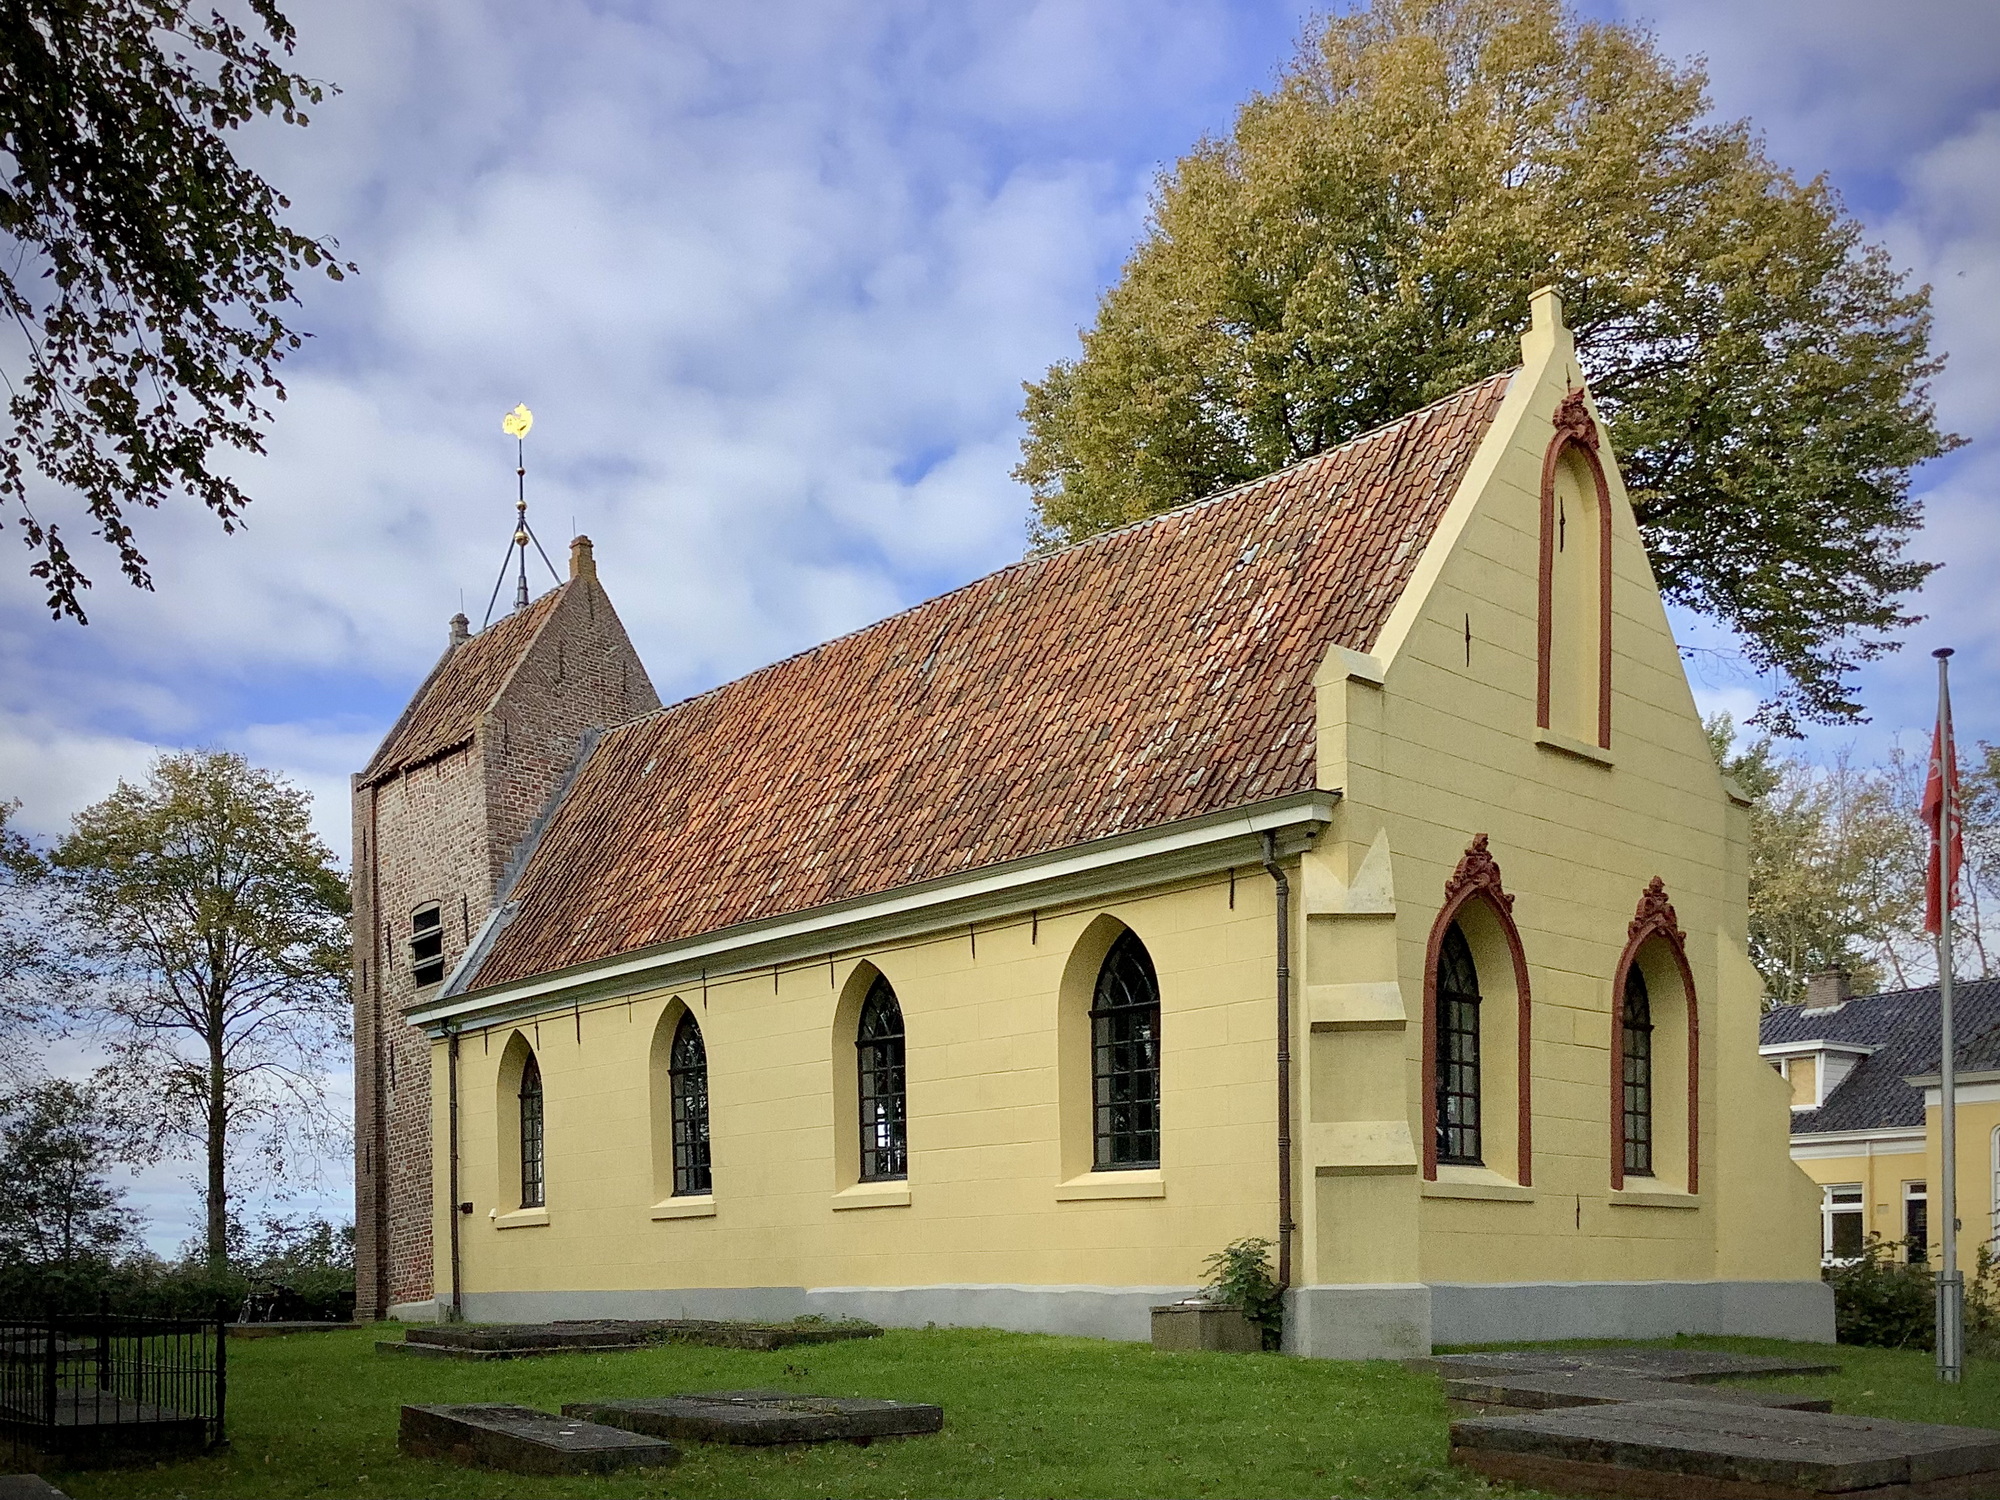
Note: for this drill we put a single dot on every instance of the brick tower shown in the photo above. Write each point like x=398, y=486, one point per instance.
x=438, y=815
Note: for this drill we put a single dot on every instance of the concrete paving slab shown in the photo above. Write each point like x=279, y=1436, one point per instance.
x=524, y=1440
x=764, y=1417
x=1677, y=1365
x=1512, y=1395
x=1698, y=1448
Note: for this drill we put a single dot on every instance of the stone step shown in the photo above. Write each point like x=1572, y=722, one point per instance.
x=524, y=1440
x=762, y=1417
x=1678, y=1365
x=1695, y=1449
x=1512, y=1395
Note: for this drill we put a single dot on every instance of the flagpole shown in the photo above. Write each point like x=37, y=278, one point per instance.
x=1950, y=1284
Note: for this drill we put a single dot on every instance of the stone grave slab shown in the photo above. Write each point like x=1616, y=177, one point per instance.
x=1512, y=1395
x=1696, y=1448
x=28, y=1487
x=480, y=1341
x=1679, y=1365
x=763, y=1417
x=523, y=1440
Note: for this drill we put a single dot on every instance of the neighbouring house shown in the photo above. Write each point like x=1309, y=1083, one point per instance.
x=1337, y=860
x=1864, y=1076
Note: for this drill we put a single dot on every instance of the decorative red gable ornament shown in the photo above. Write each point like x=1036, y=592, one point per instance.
x=1656, y=914
x=1573, y=420
x=1477, y=870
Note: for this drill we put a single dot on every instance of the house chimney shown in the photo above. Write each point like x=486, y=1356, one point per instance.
x=461, y=631
x=1829, y=989
x=582, y=561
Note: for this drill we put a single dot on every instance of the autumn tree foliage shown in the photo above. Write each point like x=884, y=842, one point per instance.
x=1365, y=240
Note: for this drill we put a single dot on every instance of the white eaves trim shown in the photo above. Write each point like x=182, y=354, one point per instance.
x=1079, y=872
x=1825, y=1145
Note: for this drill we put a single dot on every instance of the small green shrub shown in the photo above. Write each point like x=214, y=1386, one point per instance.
x=1884, y=1302
x=1240, y=1277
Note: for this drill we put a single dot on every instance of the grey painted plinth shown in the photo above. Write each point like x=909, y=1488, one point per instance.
x=1515, y=1395
x=1392, y=1320
x=522, y=1440
x=1696, y=1449
x=1185, y=1326
x=763, y=1417
x=1098, y=1312
x=1372, y=1321
x=1499, y=1312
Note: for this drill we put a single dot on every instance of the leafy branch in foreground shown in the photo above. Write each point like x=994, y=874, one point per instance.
x=145, y=268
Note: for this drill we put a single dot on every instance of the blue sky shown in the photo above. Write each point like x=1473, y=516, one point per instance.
x=771, y=277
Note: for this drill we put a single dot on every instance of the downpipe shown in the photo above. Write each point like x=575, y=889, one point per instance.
x=458, y=1210
x=1284, y=895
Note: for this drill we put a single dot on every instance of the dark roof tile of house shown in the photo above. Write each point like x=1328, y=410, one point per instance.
x=1904, y=1028
x=1153, y=674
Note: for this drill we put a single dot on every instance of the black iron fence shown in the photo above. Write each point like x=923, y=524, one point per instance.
x=100, y=1386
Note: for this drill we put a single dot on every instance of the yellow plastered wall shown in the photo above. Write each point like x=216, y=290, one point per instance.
x=1431, y=741
x=1442, y=748
x=986, y=1201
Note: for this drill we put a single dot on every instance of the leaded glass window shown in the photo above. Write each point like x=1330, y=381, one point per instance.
x=1457, y=1051
x=878, y=1041
x=1125, y=1059
x=532, y=1190
x=1638, y=1047
x=687, y=1077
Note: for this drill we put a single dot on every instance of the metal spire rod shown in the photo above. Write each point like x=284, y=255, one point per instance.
x=517, y=423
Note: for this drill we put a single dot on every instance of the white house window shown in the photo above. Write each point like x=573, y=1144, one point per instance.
x=1916, y=1222
x=1842, y=1222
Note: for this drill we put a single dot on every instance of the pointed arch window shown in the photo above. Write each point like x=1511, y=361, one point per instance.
x=1638, y=1075
x=879, y=1073
x=687, y=1082
x=1457, y=1051
x=1125, y=1058
x=533, y=1190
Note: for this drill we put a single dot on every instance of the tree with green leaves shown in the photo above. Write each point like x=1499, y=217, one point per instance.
x=145, y=270
x=36, y=971
x=218, y=924
x=58, y=1144
x=1365, y=241
x=1837, y=865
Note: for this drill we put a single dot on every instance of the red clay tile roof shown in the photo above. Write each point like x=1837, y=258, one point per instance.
x=461, y=687
x=1152, y=674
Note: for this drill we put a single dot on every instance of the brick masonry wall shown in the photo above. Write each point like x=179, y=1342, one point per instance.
x=446, y=832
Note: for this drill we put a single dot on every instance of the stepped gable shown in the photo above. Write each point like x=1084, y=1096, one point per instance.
x=1905, y=1028
x=462, y=687
x=1156, y=673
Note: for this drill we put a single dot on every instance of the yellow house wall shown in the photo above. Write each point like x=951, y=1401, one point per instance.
x=1977, y=1119
x=1882, y=1175
x=985, y=1164
x=1446, y=748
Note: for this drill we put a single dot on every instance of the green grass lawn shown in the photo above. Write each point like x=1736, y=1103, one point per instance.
x=1025, y=1415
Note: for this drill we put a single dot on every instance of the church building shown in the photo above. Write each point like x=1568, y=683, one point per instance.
x=1337, y=860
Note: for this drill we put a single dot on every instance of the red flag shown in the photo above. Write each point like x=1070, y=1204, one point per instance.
x=1944, y=772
